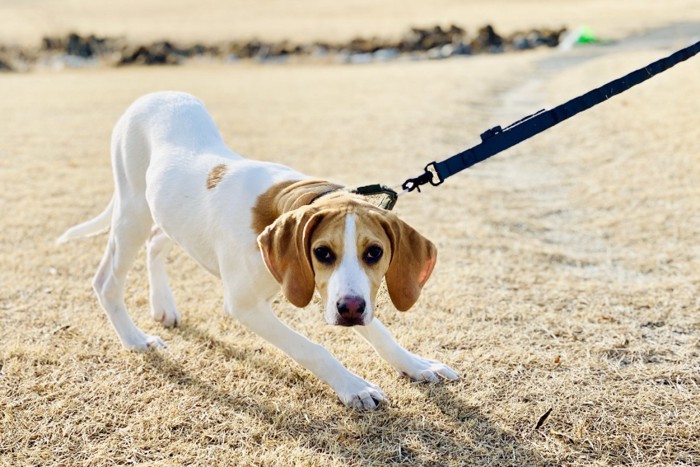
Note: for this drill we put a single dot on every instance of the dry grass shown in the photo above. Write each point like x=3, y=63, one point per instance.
x=569, y=275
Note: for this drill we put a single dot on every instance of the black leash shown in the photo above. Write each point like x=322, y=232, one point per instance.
x=498, y=139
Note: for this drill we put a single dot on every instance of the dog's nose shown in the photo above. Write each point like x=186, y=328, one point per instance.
x=351, y=306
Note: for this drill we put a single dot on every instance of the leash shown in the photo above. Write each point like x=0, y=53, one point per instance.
x=497, y=139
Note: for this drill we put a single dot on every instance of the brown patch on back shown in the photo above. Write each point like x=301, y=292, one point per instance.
x=287, y=196
x=215, y=176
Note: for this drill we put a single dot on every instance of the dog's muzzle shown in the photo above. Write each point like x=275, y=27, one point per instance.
x=351, y=311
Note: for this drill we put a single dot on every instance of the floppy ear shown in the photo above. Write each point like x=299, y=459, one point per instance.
x=285, y=248
x=413, y=258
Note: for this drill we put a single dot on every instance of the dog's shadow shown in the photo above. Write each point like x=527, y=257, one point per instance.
x=462, y=436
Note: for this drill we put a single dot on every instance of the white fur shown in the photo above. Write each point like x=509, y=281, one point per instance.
x=349, y=279
x=163, y=149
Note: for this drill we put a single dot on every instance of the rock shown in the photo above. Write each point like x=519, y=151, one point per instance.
x=78, y=46
x=551, y=37
x=535, y=38
x=421, y=40
x=319, y=50
x=158, y=53
x=384, y=55
x=283, y=49
x=365, y=46
x=198, y=50
x=5, y=66
x=252, y=49
x=359, y=58
x=487, y=40
x=51, y=43
x=521, y=42
x=443, y=51
x=461, y=48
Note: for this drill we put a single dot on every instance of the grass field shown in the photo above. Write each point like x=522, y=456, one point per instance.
x=568, y=274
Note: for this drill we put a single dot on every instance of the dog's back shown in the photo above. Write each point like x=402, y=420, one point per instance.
x=169, y=119
x=159, y=126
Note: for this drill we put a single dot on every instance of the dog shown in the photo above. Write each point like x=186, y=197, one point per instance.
x=258, y=226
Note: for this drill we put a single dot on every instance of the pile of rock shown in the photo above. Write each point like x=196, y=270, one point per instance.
x=434, y=42
x=418, y=43
x=78, y=46
x=164, y=53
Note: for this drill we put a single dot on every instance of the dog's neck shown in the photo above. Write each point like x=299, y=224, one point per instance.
x=286, y=196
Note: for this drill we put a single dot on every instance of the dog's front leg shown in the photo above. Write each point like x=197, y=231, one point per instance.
x=406, y=363
x=352, y=390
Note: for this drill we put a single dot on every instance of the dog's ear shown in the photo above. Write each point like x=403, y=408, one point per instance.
x=285, y=248
x=413, y=258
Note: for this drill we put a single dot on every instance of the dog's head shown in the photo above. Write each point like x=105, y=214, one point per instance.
x=343, y=248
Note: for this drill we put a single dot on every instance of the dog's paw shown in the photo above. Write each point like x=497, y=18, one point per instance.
x=361, y=395
x=144, y=342
x=164, y=311
x=423, y=369
x=169, y=318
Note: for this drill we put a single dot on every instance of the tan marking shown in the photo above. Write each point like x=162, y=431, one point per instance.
x=215, y=176
x=286, y=196
x=330, y=233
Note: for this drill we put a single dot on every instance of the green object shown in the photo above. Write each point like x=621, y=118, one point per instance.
x=586, y=36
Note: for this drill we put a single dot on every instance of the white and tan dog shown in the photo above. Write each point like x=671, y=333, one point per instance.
x=257, y=226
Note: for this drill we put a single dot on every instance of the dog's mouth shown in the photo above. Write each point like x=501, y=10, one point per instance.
x=354, y=320
x=350, y=321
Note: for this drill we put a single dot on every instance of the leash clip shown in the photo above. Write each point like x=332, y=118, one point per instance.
x=431, y=175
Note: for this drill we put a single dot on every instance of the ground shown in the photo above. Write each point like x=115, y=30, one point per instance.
x=568, y=274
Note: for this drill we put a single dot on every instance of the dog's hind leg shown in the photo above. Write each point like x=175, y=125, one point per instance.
x=163, y=308
x=131, y=223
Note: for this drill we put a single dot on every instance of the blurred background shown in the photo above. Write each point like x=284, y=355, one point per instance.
x=568, y=279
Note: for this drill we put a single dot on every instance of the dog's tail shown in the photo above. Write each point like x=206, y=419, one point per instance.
x=98, y=225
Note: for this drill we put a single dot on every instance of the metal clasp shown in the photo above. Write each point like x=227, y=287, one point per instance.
x=432, y=169
x=431, y=175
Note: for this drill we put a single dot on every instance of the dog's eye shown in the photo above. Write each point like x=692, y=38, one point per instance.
x=324, y=255
x=372, y=254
